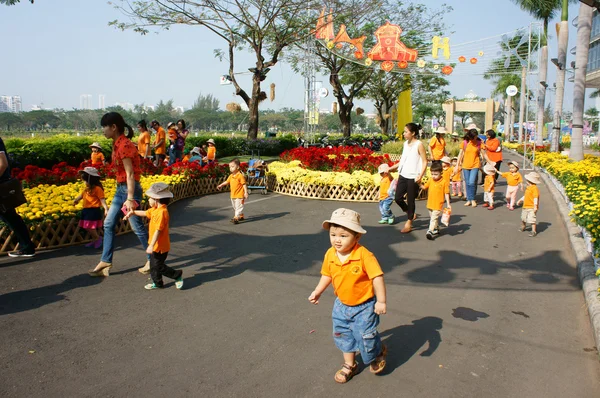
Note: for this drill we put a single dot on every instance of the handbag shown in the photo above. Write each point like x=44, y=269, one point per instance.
x=11, y=194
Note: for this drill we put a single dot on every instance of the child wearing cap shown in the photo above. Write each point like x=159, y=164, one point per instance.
x=186, y=156
x=446, y=170
x=196, y=155
x=531, y=202
x=159, y=243
x=238, y=189
x=360, y=294
x=211, y=152
x=488, y=186
x=514, y=181
x=456, y=179
x=93, y=200
x=385, y=200
x=437, y=191
x=97, y=155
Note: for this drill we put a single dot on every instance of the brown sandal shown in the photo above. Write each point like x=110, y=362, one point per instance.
x=346, y=373
x=379, y=363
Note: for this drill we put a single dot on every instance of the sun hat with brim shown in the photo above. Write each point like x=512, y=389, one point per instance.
x=345, y=218
x=446, y=160
x=454, y=134
x=90, y=170
x=383, y=168
x=441, y=130
x=533, y=177
x=160, y=190
x=472, y=126
x=195, y=150
x=453, y=159
x=489, y=169
x=514, y=164
x=95, y=145
x=170, y=124
x=211, y=141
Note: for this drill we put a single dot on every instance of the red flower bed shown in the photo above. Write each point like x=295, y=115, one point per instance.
x=346, y=159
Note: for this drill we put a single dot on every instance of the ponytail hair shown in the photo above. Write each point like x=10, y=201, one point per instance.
x=414, y=128
x=115, y=118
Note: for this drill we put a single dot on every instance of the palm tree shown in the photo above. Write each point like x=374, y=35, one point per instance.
x=563, y=41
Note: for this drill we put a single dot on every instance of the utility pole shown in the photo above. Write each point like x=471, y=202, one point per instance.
x=523, y=102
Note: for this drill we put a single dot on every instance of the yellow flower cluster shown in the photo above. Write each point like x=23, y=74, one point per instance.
x=511, y=145
x=564, y=169
x=51, y=202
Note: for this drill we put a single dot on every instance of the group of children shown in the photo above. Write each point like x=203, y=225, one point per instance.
x=446, y=180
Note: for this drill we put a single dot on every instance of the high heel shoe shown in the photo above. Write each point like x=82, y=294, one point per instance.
x=102, y=271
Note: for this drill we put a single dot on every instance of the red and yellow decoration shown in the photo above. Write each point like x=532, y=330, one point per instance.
x=387, y=66
x=389, y=47
x=462, y=58
x=446, y=70
x=473, y=61
x=402, y=64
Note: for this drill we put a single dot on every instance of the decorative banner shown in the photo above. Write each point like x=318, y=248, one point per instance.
x=389, y=47
x=440, y=44
x=404, y=110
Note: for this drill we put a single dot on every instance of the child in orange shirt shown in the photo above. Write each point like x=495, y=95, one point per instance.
x=446, y=169
x=488, y=186
x=385, y=200
x=97, y=155
x=93, y=198
x=159, y=243
x=238, y=188
x=211, y=152
x=456, y=179
x=531, y=203
x=438, y=191
x=360, y=293
x=514, y=181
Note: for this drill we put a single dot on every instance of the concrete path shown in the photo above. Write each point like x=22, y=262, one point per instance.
x=484, y=310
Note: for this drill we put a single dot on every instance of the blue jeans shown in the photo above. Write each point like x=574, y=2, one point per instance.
x=385, y=208
x=113, y=217
x=470, y=178
x=355, y=329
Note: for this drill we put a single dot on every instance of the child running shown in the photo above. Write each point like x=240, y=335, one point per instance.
x=456, y=179
x=514, y=181
x=159, y=243
x=488, y=186
x=360, y=294
x=238, y=189
x=437, y=191
x=531, y=203
x=97, y=157
x=385, y=200
x=93, y=199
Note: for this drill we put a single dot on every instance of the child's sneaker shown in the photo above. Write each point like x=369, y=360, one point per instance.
x=241, y=217
x=533, y=234
x=151, y=286
x=429, y=235
x=383, y=221
x=179, y=282
x=391, y=220
x=435, y=232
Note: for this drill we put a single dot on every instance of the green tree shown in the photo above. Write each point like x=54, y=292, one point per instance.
x=592, y=115
x=8, y=120
x=12, y=2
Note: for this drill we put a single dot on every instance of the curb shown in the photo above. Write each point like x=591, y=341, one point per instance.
x=585, y=262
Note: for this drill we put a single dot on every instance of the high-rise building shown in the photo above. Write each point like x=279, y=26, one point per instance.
x=593, y=67
x=101, y=101
x=85, y=101
x=17, y=104
x=11, y=103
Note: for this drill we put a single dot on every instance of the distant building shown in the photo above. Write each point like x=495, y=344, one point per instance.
x=85, y=101
x=149, y=108
x=101, y=100
x=11, y=104
x=592, y=77
x=179, y=109
x=125, y=105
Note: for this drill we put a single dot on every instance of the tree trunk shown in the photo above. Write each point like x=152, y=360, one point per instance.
x=345, y=113
x=563, y=40
x=522, y=102
x=541, y=100
x=584, y=28
x=253, y=108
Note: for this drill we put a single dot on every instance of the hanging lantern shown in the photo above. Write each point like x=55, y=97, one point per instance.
x=233, y=107
x=481, y=53
x=358, y=55
x=368, y=62
x=473, y=61
x=421, y=63
x=272, y=92
x=335, y=110
x=446, y=70
x=402, y=64
x=462, y=58
x=387, y=66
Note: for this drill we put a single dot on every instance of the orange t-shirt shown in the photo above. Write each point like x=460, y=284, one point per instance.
x=471, y=156
x=437, y=148
x=160, y=136
x=531, y=192
x=446, y=174
x=186, y=158
x=384, y=186
x=491, y=145
x=172, y=134
x=143, y=142
x=97, y=157
x=489, y=183
x=457, y=177
x=436, y=193
x=236, y=185
x=92, y=199
x=211, y=152
x=512, y=179
x=124, y=148
x=353, y=280
x=159, y=221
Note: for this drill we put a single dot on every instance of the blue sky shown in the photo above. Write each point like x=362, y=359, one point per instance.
x=56, y=50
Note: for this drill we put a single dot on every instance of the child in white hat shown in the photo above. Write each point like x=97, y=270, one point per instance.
x=93, y=202
x=211, y=152
x=531, y=202
x=360, y=294
x=446, y=169
x=514, y=181
x=489, y=185
x=159, y=243
x=385, y=200
x=97, y=157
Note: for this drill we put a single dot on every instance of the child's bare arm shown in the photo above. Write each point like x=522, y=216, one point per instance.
x=221, y=185
x=448, y=201
x=78, y=198
x=379, y=287
x=139, y=213
x=245, y=191
x=324, y=282
x=153, y=242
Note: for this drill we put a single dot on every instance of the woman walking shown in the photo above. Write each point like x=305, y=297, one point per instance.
x=128, y=195
x=468, y=160
x=493, y=149
x=411, y=169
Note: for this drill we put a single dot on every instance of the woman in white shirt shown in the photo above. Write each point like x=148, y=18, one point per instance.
x=411, y=169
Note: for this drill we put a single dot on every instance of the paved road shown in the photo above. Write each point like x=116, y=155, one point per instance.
x=482, y=311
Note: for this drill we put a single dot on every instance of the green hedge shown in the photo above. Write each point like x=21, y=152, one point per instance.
x=46, y=152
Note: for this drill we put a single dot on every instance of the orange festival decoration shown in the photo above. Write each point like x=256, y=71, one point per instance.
x=446, y=70
x=342, y=37
x=462, y=58
x=473, y=61
x=324, y=29
x=389, y=47
x=402, y=64
x=387, y=66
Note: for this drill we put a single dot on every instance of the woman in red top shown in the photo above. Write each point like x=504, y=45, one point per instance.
x=493, y=149
x=126, y=160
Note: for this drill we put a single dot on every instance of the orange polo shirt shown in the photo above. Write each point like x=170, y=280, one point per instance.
x=437, y=148
x=236, y=185
x=353, y=280
x=436, y=193
x=160, y=135
x=91, y=198
x=159, y=221
x=491, y=145
x=531, y=192
x=172, y=134
x=97, y=157
x=143, y=142
x=471, y=158
x=211, y=152
x=446, y=175
x=124, y=148
x=457, y=177
x=384, y=186
x=512, y=179
x=489, y=183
